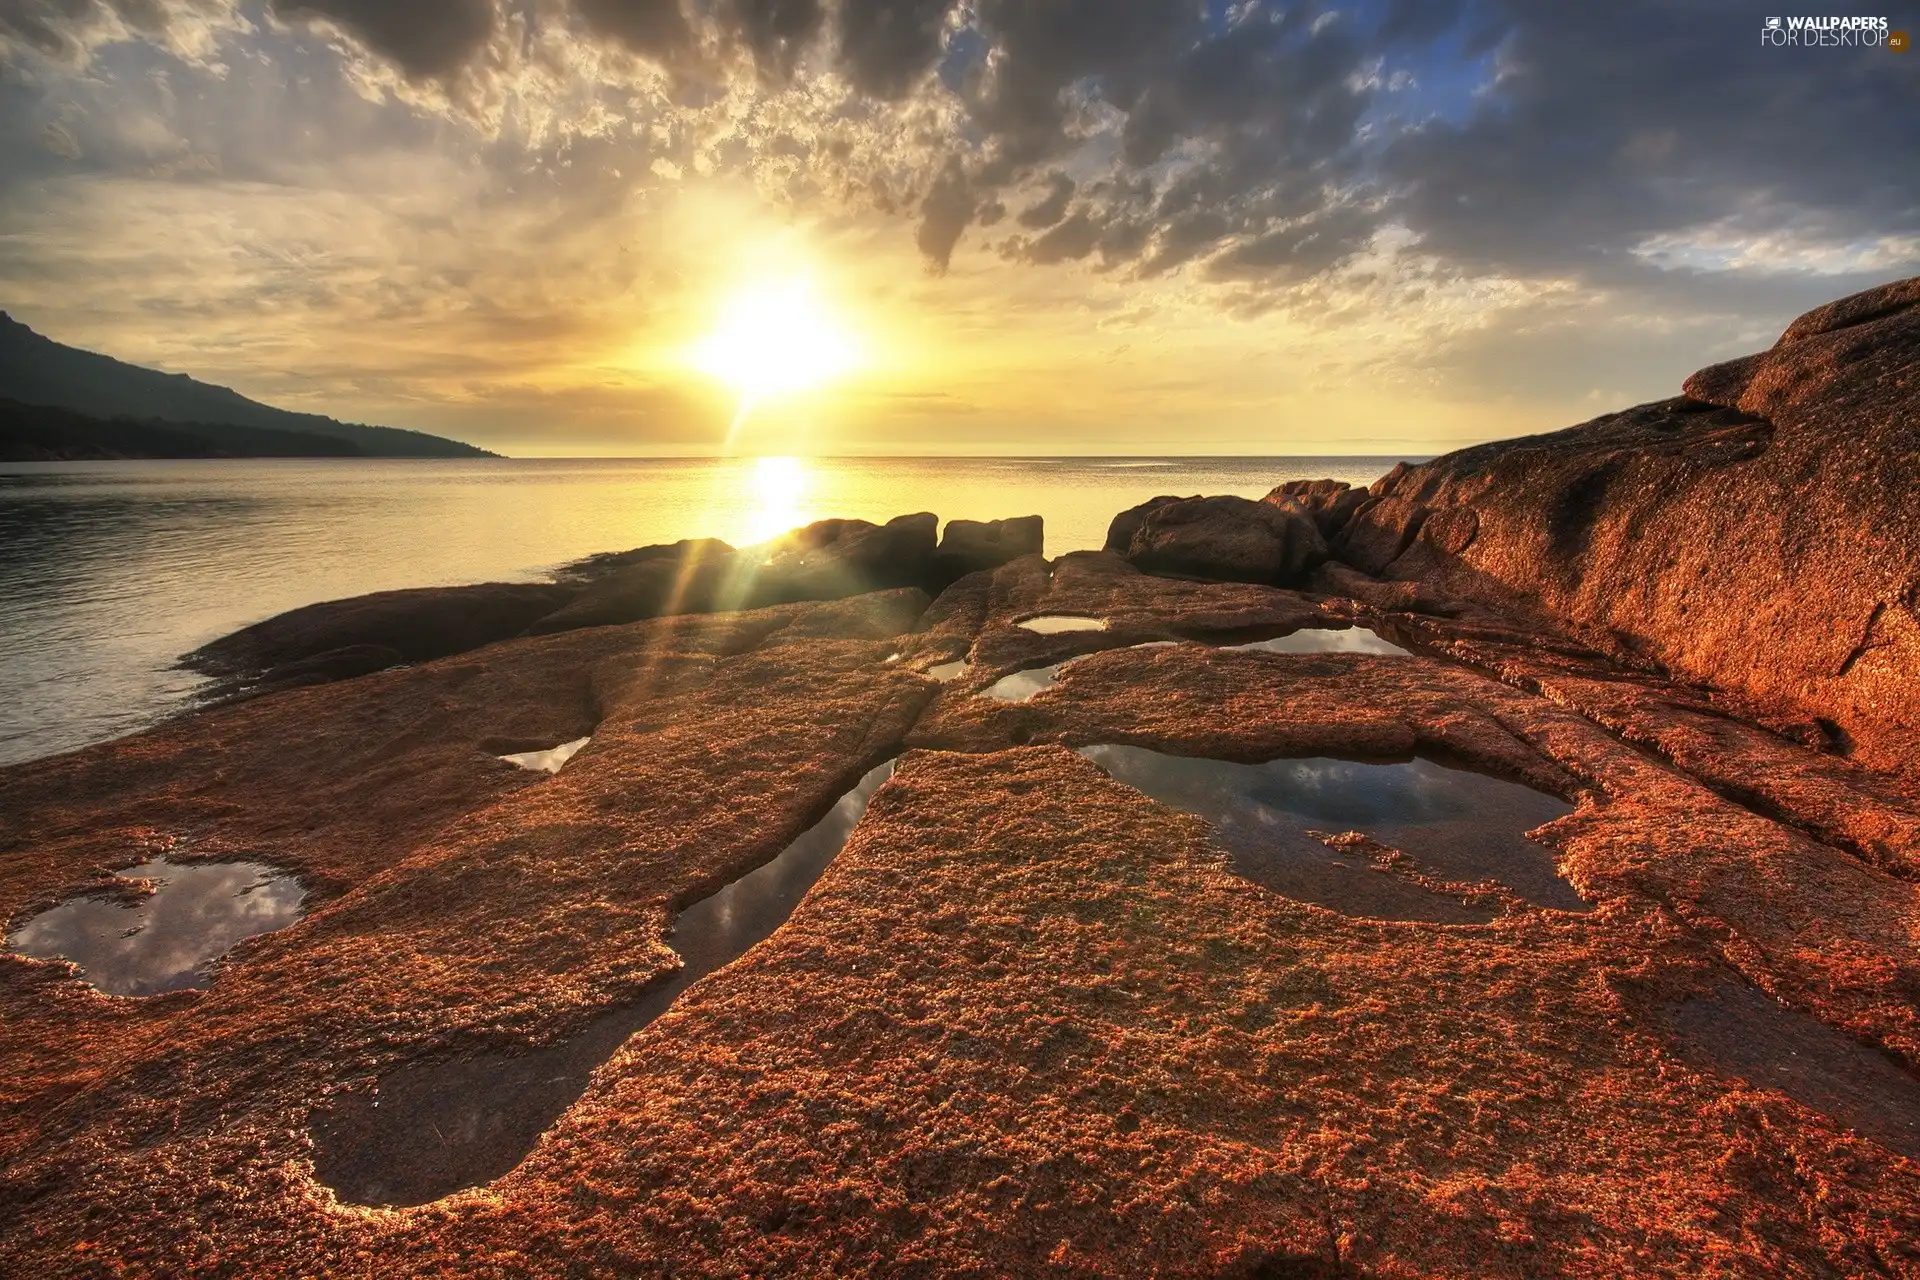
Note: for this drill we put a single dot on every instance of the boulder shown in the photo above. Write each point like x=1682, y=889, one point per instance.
x=836, y=558
x=1228, y=539
x=826, y=560
x=1760, y=534
x=607, y=563
x=417, y=624
x=1127, y=523
x=969, y=546
x=1332, y=502
x=696, y=581
x=322, y=668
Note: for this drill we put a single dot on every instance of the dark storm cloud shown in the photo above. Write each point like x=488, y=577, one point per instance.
x=1069, y=242
x=1612, y=126
x=1050, y=210
x=775, y=31
x=1548, y=140
x=945, y=212
x=424, y=38
x=45, y=25
x=651, y=27
x=1231, y=130
x=1296, y=250
x=1045, y=46
x=886, y=46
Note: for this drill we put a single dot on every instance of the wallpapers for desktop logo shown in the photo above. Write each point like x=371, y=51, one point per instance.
x=1853, y=32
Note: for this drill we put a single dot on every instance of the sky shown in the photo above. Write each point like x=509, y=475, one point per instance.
x=1027, y=226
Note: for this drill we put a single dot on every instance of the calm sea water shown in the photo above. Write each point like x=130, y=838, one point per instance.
x=110, y=571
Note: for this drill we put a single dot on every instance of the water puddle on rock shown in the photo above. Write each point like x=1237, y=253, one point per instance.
x=433, y=1129
x=1456, y=824
x=1054, y=624
x=550, y=760
x=131, y=944
x=1736, y=1029
x=1023, y=686
x=1327, y=640
x=945, y=671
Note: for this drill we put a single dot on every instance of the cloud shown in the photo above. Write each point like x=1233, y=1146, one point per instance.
x=1052, y=208
x=774, y=31
x=887, y=46
x=424, y=38
x=1601, y=129
x=944, y=214
x=1070, y=241
x=1255, y=142
x=68, y=31
x=651, y=27
x=1199, y=130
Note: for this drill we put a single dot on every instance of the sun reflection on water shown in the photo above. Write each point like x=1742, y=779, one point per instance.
x=778, y=489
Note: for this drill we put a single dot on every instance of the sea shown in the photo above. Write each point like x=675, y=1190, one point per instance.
x=110, y=571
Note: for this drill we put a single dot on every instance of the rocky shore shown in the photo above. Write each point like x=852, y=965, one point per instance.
x=1509, y=870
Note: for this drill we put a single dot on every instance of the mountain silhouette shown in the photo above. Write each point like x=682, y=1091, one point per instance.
x=120, y=410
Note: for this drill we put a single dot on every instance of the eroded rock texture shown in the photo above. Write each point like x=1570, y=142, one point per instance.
x=1760, y=534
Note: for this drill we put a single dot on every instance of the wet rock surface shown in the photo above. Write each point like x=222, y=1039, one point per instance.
x=428, y=1130
x=1500, y=954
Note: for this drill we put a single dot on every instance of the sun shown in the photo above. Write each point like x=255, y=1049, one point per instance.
x=776, y=339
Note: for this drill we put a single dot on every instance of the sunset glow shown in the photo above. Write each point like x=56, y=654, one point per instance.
x=592, y=228
x=774, y=340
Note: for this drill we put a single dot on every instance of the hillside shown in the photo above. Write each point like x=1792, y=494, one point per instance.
x=35, y=370
x=38, y=433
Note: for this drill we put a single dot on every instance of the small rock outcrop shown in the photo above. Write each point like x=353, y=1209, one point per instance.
x=415, y=625
x=1760, y=534
x=823, y=561
x=607, y=563
x=826, y=560
x=848, y=557
x=969, y=546
x=1228, y=539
